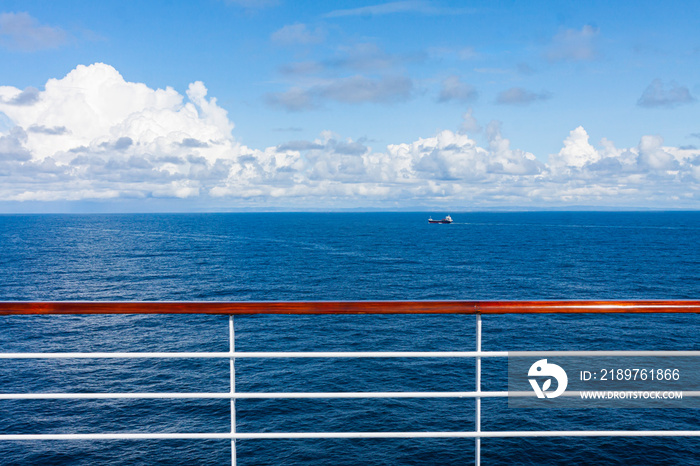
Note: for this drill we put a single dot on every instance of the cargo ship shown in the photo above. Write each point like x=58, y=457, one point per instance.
x=447, y=219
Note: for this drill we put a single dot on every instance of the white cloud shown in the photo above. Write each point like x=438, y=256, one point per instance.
x=653, y=157
x=94, y=135
x=19, y=31
x=576, y=152
x=99, y=131
x=505, y=160
x=457, y=162
x=650, y=174
x=94, y=104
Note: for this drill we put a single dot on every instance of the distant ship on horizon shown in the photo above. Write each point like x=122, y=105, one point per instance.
x=447, y=219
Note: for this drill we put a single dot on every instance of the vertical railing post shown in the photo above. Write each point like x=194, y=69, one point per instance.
x=232, y=372
x=477, y=418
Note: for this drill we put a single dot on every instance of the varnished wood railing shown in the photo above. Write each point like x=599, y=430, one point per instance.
x=350, y=307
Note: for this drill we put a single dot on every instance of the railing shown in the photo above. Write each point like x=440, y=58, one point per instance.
x=363, y=307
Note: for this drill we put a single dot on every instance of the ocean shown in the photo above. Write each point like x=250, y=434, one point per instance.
x=335, y=256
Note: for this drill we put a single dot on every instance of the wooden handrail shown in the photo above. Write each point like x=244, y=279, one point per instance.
x=349, y=307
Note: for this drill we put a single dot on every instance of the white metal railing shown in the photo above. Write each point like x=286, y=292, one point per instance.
x=233, y=395
x=232, y=384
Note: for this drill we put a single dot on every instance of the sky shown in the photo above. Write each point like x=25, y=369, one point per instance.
x=226, y=105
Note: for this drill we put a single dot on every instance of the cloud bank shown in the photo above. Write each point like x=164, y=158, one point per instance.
x=93, y=135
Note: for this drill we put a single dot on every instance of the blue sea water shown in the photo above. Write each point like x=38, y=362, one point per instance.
x=335, y=256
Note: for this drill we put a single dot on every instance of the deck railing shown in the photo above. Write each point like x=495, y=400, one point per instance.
x=356, y=307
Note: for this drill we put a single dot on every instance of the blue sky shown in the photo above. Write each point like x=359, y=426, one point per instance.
x=349, y=104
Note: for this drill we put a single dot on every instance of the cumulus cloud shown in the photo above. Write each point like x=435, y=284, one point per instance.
x=20, y=31
x=646, y=168
x=653, y=156
x=577, y=152
x=658, y=95
x=574, y=45
x=453, y=89
x=119, y=138
x=520, y=96
x=298, y=34
x=647, y=175
x=94, y=135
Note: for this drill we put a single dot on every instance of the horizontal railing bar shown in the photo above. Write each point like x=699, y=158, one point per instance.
x=344, y=354
x=237, y=355
x=283, y=395
x=331, y=435
x=349, y=307
x=622, y=353
x=244, y=395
